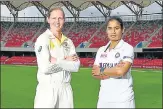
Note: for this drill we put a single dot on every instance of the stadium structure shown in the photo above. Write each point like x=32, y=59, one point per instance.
x=143, y=31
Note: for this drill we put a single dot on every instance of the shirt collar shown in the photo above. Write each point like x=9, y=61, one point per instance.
x=50, y=34
x=120, y=43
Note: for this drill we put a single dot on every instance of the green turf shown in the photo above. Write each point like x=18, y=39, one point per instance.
x=18, y=85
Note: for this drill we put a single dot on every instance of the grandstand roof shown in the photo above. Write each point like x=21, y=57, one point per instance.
x=75, y=6
x=80, y=4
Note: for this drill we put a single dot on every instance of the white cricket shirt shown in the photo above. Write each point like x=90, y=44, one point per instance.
x=47, y=46
x=116, y=89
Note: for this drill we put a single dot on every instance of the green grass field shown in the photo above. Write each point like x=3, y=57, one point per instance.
x=18, y=85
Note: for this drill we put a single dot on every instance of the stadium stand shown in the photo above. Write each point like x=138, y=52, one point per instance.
x=156, y=40
x=21, y=60
x=82, y=31
x=20, y=33
x=147, y=33
x=3, y=59
x=85, y=62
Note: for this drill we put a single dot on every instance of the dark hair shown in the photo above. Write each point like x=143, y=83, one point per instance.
x=53, y=9
x=117, y=19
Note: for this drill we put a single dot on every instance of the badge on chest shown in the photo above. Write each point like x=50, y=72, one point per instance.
x=117, y=55
x=66, y=47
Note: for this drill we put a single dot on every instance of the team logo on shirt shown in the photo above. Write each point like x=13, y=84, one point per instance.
x=103, y=55
x=39, y=49
x=117, y=55
x=66, y=47
x=65, y=43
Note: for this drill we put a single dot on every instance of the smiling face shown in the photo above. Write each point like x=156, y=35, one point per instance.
x=56, y=19
x=114, y=30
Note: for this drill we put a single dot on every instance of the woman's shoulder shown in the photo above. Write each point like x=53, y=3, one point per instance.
x=102, y=48
x=128, y=46
x=42, y=39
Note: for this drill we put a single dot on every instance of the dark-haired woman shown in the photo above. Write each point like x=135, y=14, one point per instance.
x=113, y=66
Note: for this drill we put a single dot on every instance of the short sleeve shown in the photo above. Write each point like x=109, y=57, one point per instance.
x=97, y=59
x=128, y=54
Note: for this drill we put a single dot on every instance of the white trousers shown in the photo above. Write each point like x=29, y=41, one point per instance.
x=127, y=104
x=58, y=95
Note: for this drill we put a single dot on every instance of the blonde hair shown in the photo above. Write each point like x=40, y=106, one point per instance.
x=53, y=9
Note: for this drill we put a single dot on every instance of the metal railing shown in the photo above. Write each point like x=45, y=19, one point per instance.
x=154, y=16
